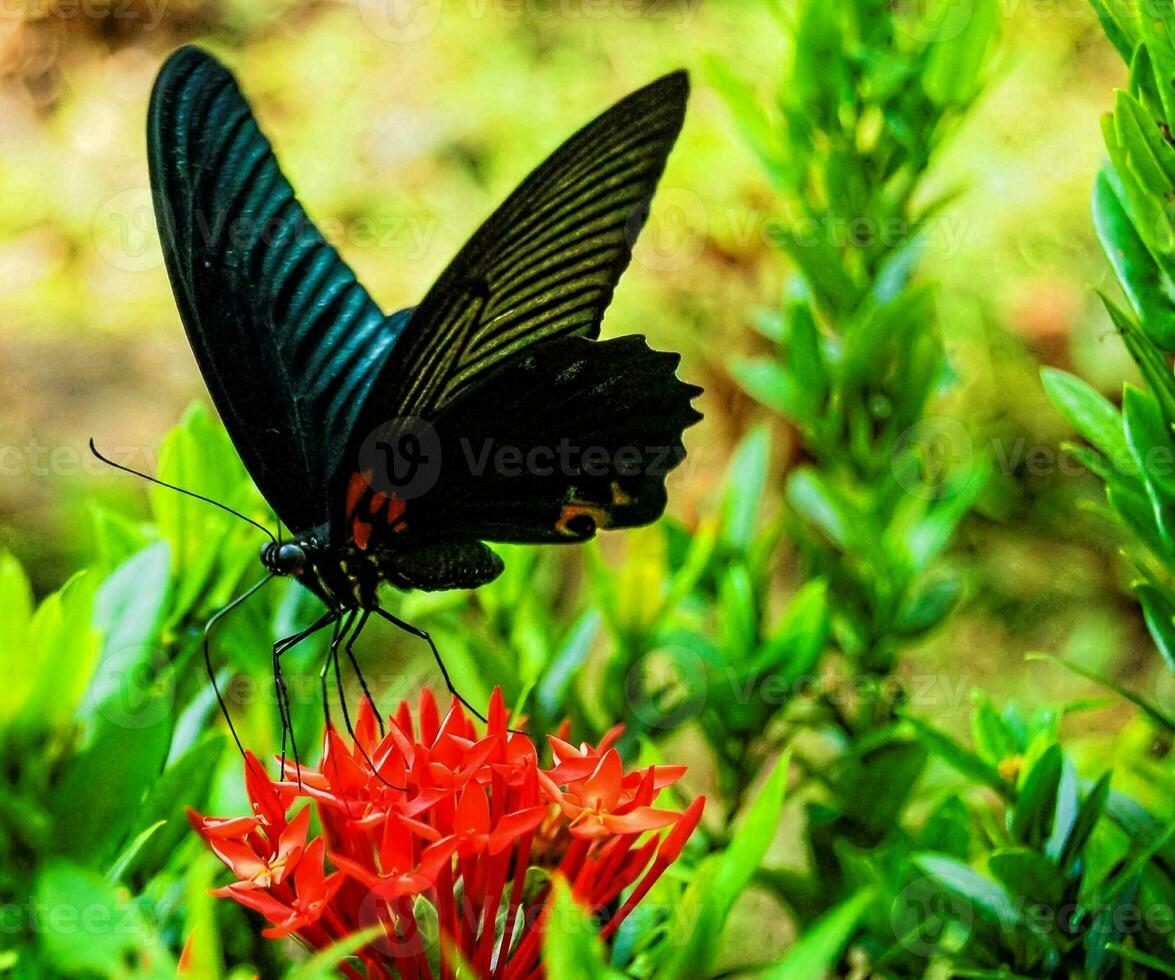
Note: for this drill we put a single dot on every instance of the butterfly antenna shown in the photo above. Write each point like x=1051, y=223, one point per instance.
x=208, y=627
x=187, y=493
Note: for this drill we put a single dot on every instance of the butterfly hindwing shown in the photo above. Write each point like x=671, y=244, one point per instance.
x=288, y=341
x=572, y=436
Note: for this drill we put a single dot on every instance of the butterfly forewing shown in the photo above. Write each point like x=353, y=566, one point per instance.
x=544, y=265
x=286, y=338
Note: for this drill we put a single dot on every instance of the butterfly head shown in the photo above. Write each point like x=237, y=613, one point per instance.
x=288, y=558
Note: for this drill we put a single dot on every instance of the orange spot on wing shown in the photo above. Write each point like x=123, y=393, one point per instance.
x=395, y=509
x=579, y=508
x=360, y=533
x=356, y=489
x=377, y=501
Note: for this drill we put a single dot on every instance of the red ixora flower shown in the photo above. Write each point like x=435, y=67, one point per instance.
x=435, y=833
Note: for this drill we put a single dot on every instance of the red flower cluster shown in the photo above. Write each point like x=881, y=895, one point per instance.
x=448, y=841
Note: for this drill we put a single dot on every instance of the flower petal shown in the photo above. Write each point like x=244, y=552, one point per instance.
x=639, y=820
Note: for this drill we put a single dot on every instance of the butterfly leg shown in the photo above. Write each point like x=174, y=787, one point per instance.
x=422, y=635
x=280, y=648
x=349, y=646
x=208, y=627
x=342, y=626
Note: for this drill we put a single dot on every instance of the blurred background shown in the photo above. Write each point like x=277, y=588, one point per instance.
x=402, y=124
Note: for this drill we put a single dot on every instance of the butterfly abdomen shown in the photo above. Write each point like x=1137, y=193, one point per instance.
x=439, y=563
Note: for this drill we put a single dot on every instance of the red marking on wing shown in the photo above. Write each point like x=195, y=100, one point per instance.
x=377, y=501
x=395, y=509
x=356, y=489
x=360, y=533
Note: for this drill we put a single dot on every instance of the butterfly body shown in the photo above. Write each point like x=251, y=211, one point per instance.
x=393, y=447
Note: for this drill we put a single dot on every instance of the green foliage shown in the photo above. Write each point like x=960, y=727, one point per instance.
x=888, y=845
x=863, y=106
x=1134, y=446
x=572, y=948
x=720, y=880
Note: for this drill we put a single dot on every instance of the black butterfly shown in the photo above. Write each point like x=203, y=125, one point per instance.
x=380, y=440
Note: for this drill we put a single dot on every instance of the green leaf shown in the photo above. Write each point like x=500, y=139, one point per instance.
x=770, y=384
x=558, y=680
x=324, y=964
x=926, y=539
x=1159, y=613
x=744, y=483
x=572, y=947
x=1031, y=818
x=801, y=636
x=1026, y=874
x=1154, y=26
x=805, y=356
x=924, y=609
x=90, y=926
x=947, y=829
x=1087, y=817
x=1152, y=963
x=130, y=852
x=198, y=455
x=987, y=897
x=16, y=603
x=1149, y=438
x=951, y=73
x=1123, y=878
x=821, y=266
x=693, y=942
x=102, y=787
x=994, y=741
x=1090, y=413
x=873, y=788
x=185, y=783
x=818, y=950
x=739, y=611
x=815, y=500
x=129, y=608
x=1151, y=156
x=1149, y=290
x=1153, y=712
x=201, y=933
x=957, y=757
x=1119, y=24
x=46, y=682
